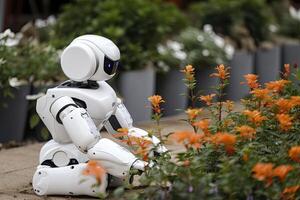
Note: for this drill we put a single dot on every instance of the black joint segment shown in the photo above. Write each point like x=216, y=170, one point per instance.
x=114, y=122
x=64, y=107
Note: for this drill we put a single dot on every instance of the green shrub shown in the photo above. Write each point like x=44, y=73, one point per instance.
x=226, y=15
x=191, y=46
x=136, y=26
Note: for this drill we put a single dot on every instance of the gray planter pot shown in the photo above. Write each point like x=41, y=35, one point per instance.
x=241, y=64
x=13, y=115
x=268, y=64
x=205, y=84
x=135, y=87
x=171, y=87
x=291, y=55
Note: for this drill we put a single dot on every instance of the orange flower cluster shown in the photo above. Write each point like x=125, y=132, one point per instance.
x=246, y=131
x=287, y=71
x=207, y=99
x=222, y=72
x=143, y=146
x=193, y=113
x=229, y=105
x=285, y=121
x=94, y=169
x=251, y=81
x=294, y=153
x=254, y=116
x=277, y=86
x=226, y=139
x=289, y=192
x=189, y=72
x=266, y=172
x=203, y=125
x=189, y=138
x=156, y=100
x=295, y=100
x=284, y=105
x=261, y=94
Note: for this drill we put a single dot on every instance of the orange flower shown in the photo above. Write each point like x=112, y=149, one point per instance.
x=222, y=72
x=245, y=157
x=203, y=125
x=289, y=192
x=284, y=105
x=251, y=81
x=294, y=153
x=229, y=105
x=189, y=72
x=207, y=98
x=285, y=121
x=121, y=133
x=254, y=116
x=262, y=94
x=142, y=145
x=287, y=71
x=263, y=172
x=156, y=100
x=282, y=171
x=246, y=131
x=276, y=86
x=295, y=100
x=228, y=140
x=94, y=169
x=193, y=113
x=188, y=138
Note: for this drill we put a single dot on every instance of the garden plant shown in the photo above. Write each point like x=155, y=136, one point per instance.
x=253, y=153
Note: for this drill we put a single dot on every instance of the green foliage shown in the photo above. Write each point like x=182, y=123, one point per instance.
x=136, y=26
x=226, y=15
x=198, y=48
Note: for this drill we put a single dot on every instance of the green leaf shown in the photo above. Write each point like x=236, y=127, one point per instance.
x=34, y=120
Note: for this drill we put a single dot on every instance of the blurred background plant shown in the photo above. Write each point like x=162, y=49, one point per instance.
x=136, y=26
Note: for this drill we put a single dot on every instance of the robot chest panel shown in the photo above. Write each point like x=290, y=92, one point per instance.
x=100, y=103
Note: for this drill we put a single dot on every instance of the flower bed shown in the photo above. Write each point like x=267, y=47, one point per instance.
x=248, y=154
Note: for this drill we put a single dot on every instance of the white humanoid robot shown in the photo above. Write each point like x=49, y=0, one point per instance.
x=74, y=112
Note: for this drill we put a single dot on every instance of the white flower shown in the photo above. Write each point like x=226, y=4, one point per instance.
x=163, y=66
x=294, y=13
x=219, y=41
x=273, y=28
x=181, y=55
x=161, y=49
x=229, y=51
x=51, y=20
x=200, y=38
x=40, y=23
x=208, y=28
x=174, y=45
x=205, y=53
x=7, y=33
x=8, y=38
x=14, y=82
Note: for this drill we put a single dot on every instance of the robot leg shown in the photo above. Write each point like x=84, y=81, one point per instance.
x=67, y=180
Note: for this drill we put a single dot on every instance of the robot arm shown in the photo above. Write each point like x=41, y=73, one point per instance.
x=122, y=119
x=80, y=127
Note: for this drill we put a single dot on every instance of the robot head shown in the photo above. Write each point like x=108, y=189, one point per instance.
x=90, y=57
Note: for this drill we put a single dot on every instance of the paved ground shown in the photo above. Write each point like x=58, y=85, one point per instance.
x=17, y=165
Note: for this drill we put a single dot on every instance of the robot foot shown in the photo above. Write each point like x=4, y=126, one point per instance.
x=67, y=180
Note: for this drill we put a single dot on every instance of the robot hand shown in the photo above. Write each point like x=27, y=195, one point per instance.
x=122, y=119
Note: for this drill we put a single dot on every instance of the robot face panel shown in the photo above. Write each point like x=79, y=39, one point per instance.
x=110, y=66
x=90, y=57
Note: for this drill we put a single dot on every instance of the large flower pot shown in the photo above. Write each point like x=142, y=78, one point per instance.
x=268, y=64
x=171, y=87
x=13, y=112
x=135, y=87
x=205, y=83
x=291, y=55
x=241, y=64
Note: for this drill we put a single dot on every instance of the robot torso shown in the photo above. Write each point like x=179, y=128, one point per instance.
x=100, y=103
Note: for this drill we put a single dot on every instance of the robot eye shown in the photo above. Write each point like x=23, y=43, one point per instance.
x=110, y=66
